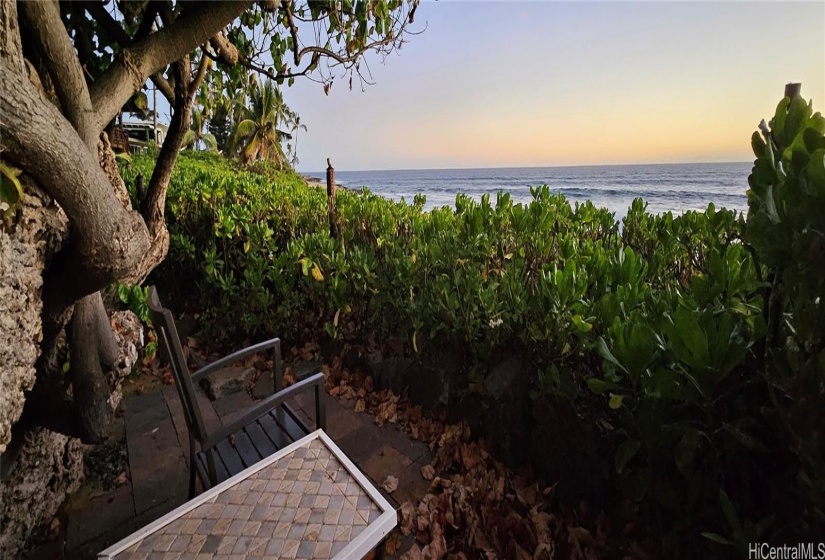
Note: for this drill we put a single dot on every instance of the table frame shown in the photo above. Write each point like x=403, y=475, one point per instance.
x=368, y=539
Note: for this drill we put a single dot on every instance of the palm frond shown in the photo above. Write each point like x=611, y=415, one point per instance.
x=189, y=139
x=246, y=128
x=210, y=141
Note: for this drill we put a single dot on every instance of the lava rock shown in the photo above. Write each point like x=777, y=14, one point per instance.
x=226, y=381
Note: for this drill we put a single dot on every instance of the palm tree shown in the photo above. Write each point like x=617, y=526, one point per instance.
x=296, y=125
x=258, y=136
x=195, y=136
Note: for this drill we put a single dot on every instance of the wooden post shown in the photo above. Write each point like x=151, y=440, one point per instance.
x=333, y=227
x=793, y=90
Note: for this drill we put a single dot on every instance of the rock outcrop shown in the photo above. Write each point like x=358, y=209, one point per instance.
x=38, y=468
x=44, y=471
x=35, y=234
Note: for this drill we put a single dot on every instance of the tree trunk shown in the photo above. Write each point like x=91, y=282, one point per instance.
x=11, y=49
x=92, y=343
x=58, y=149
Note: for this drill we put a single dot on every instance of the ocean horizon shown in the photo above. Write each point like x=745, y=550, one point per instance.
x=674, y=187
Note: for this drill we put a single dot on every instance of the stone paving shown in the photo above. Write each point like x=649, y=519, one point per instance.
x=157, y=441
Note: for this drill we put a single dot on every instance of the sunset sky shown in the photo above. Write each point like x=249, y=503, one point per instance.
x=493, y=84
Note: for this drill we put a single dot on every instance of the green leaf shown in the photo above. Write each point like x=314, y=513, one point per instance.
x=742, y=437
x=123, y=293
x=686, y=450
x=798, y=113
x=582, y=325
x=604, y=351
x=141, y=103
x=11, y=191
x=601, y=387
x=757, y=145
x=730, y=512
x=615, y=401
x=717, y=538
x=815, y=185
x=813, y=139
x=694, y=339
x=626, y=451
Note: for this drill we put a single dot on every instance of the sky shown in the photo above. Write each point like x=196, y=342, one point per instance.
x=508, y=84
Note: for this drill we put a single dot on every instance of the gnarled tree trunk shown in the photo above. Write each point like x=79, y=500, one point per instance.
x=59, y=149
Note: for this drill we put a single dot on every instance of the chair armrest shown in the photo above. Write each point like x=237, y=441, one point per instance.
x=262, y=408
x=234, y=357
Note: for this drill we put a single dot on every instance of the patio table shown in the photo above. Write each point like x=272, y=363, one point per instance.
x=308, y=500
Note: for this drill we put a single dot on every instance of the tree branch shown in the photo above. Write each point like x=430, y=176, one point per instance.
x=113, y=28
x=11, y=48
x=164, y=87
x=58, y=55
x=146, y=22
x=196, y=82
x=270, y=6
x=154, y=204
x=107, y=238
x=135, y=64
x=272, y=75
x=226, y=51
x=343, y=59
x=293, y=30
x=153, y=207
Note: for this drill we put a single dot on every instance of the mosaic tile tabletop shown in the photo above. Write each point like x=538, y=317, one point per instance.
x=303, y=505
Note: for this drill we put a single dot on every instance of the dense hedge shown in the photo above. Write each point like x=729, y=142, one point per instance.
x=673, y=319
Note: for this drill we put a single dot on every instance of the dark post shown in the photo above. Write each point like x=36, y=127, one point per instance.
x=333, y=228
x=793, y=90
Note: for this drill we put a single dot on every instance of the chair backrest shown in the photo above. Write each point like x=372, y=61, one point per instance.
x=164, y=325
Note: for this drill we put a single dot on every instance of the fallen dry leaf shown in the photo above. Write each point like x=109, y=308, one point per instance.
x=54, y=528
x=438, y=545
x=121, y=479
x=407, y=518
x=288, y=377
x=479, y=508
x=414, y=553
x=390, y=484
x=392, y=544
x=581, y=539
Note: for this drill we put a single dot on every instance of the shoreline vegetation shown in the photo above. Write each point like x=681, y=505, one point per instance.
x=662, y=366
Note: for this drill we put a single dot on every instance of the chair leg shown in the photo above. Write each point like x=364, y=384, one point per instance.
x=192, y=478
x=192, y=467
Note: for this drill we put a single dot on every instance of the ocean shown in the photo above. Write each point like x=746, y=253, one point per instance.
x=665, y=187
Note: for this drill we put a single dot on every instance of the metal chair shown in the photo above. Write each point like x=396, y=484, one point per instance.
x=266, y=427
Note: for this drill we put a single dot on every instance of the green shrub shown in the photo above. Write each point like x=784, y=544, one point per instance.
x=702, y=332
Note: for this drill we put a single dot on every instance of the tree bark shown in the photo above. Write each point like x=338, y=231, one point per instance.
x=11, y=49
x=113, y=28
x=107, y=238
x=90, y=332
x=58, y=54
x=154, y=205
x=137, y=63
